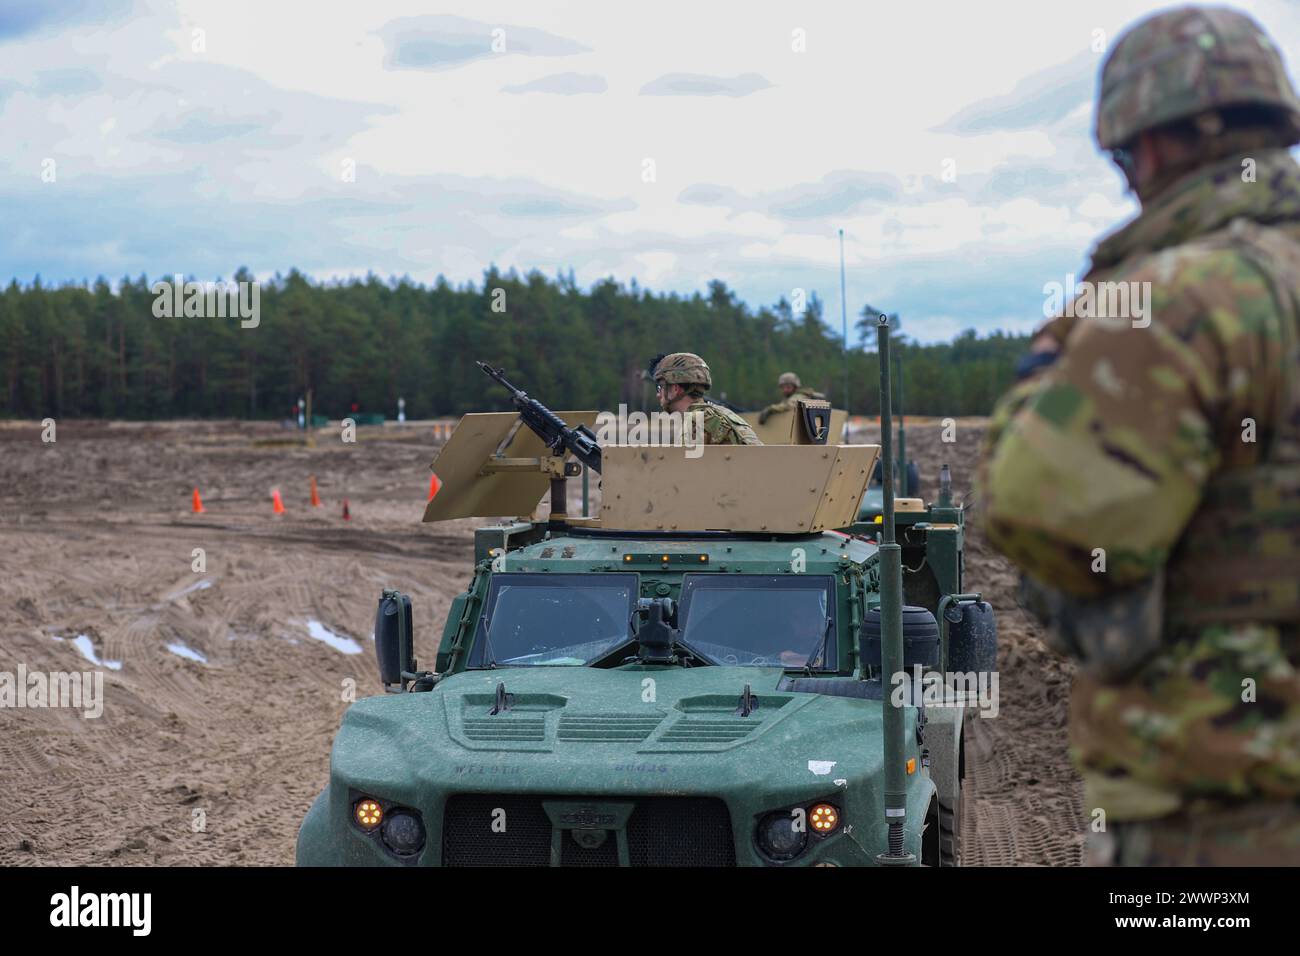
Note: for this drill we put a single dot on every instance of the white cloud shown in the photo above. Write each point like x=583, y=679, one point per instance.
x=699, y=84
x=465, y=157
x=655, y=265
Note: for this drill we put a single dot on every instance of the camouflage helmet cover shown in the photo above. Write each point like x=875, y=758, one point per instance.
x=1187, y=61
x=789, y=378
x=683, y=368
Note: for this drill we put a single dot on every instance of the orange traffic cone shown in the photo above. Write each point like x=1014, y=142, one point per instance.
x=315, y=495
x=435, y=483
x=277, y=505
x=346, y=515
x=197, y=504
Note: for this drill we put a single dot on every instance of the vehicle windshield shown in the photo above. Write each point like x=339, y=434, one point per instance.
x=553, y=619
x=760, y=621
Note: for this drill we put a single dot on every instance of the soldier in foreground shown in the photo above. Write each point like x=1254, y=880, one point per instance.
x=1145, y=471
x=790, y=387
x=681, y=379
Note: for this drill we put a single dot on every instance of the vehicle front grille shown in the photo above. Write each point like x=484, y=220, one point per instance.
x=661, y=831
x=680, y=831
x=522, y=836
x=573, y=855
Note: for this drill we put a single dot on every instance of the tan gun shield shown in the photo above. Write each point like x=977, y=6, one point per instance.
x=469, y=490
x=784, y=428
x=776, y=488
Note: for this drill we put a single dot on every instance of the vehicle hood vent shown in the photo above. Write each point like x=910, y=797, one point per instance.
x=501, y=727
x=709, y=730
x=547, y=709
x=624, y=728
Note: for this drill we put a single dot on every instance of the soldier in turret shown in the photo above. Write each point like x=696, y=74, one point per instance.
x=790, y=387
x=681, y=379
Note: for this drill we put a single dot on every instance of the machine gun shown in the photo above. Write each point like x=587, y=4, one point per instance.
x=549, y=427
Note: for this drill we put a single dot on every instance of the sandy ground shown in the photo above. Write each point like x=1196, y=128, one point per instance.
x=216, y=762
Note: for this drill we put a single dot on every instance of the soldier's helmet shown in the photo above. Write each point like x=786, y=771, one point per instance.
x=789, y=378
x=683, y=368
x=1184, y=62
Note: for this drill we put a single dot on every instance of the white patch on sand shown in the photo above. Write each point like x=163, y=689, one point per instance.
x=200, y=585
x=180, y=650
x=87, y=648
x=319, y=632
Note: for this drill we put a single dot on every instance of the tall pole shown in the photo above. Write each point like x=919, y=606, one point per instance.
x=903, y=480
x=844, y=317
x=890, y=557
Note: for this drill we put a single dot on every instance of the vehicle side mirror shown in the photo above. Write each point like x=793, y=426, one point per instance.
x=394, y=641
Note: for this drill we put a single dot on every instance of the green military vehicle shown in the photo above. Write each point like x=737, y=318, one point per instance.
x=693, y=677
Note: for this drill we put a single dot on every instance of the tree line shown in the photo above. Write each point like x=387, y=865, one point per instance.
x=92, y=351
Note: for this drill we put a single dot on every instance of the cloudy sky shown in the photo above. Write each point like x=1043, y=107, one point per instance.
x=667, y=142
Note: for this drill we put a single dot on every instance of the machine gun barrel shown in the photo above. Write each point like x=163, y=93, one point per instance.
x=549, y=427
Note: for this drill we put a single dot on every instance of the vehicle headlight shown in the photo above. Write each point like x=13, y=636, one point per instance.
x=780, y=837
x=403, y=832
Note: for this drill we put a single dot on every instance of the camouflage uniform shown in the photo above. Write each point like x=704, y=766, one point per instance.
x=788, y=402
x=1186, y=712
x=721, y=425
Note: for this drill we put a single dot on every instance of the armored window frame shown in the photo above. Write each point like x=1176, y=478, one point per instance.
x=630, y=580
x=695, y=581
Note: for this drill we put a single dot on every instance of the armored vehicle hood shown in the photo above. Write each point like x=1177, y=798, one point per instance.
x=656, y=725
